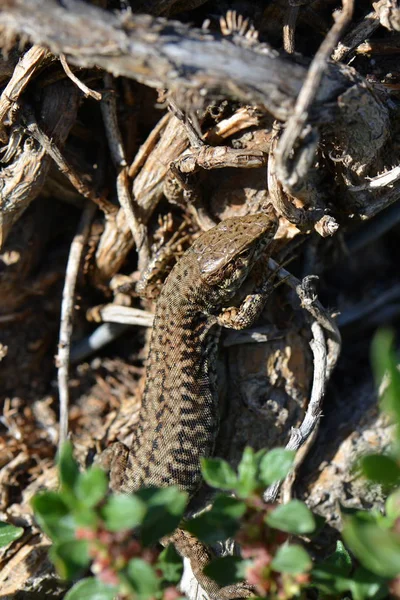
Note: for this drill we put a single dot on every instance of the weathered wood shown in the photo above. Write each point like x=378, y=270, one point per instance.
x=162, y=53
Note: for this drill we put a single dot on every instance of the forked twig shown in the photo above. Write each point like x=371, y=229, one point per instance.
x=325, y=352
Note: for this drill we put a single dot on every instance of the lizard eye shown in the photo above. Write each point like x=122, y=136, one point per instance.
x=236, y=272
x=225, y=273
x=243, y=259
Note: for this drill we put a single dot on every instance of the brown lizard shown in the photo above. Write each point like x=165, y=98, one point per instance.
x=179, y=417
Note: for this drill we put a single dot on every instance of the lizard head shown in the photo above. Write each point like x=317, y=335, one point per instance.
x=226, y=253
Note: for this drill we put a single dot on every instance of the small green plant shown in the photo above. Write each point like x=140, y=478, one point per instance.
x=115, y=536
x=92, y=530
x=374, y=538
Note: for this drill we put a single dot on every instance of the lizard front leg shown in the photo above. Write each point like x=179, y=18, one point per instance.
x=244, y=315
x=113, y=461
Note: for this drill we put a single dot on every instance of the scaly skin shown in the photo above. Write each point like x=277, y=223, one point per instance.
x=178, y=421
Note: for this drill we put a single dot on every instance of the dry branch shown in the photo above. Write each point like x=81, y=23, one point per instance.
x=67, y=312
x=24, y=177
x=169, y=54
x=194, y=64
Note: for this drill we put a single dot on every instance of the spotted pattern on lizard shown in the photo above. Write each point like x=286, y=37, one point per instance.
x=178, y=420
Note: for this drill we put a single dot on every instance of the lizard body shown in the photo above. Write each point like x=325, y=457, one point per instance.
x=178, y=420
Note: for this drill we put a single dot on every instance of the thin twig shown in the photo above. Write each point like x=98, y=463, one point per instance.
x=114, y=137
x=126, y=315
x=286, y=166
x=109, y=112
x=373, y=229
x=366, y=310
x=82, y=86
x=324, y=362
x=117, y=319
x=379, y=181
x=252, y=335
x=369, y=203
x=67, y=310
x=139, y=231
x=103, y=335
x=241, y=119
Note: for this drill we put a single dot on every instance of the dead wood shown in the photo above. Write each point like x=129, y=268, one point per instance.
x=28, y=163
x=170, y=55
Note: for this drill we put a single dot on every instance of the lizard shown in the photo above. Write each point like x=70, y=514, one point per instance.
x=178, y=419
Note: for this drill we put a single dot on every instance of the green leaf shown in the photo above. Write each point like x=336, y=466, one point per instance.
x=91, y=486
x=170, y=564
x=122, y=512
x=221, y=521
x=340, y=559
x=329, y=579
x=381, y=352
x=218, y=473
x=86, y=517
x=293, y=517
x=372, y=516
x=70, y=558
x=91, y=589
x=54, y=516
x=384, y=361
x=291, y=558
x=381, y=469
x=332, y=575
x=9, y=533
x=68, y=467
x=226, y=570
x=142, y=577
x=228, y=506
x=392, y=505
x=376, y=548
x=369, y=516
x=165, y=508
x=275, y=465
x=247, y=474
x=364, y=585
